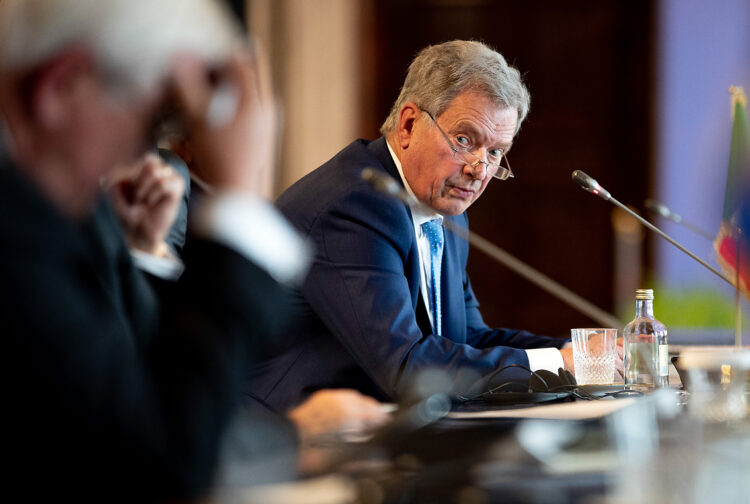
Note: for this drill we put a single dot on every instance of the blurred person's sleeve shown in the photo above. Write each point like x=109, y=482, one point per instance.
x=254, y=228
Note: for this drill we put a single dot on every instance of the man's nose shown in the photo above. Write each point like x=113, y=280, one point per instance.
x=477, y=169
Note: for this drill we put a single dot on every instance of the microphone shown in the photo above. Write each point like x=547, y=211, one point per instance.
x=664, y=211
x=386, y=184
x=591, y=185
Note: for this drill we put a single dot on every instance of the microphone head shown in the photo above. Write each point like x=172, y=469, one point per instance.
x=380, y=181
x=661, y=210
x=657, y=208
x=386, y=184
x=582, y=179
x=589, y=184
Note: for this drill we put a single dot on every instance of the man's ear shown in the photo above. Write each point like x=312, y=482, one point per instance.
x=407, y=117
x=56, y=85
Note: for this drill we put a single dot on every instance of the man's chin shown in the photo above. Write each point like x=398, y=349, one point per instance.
x=451, y=208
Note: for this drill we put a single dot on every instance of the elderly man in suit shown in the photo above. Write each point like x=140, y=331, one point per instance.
x=116, y=390
x=388, y=295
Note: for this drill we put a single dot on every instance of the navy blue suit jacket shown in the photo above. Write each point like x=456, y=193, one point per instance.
x=360, y=317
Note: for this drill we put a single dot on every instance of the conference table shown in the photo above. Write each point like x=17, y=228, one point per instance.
x=618, y=448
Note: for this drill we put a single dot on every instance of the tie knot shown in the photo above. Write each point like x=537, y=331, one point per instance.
x=433, y=230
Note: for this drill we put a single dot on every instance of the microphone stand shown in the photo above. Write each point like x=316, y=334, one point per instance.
x=664, y=211
x=592, y=186
x=535, y=276
x=386, y=184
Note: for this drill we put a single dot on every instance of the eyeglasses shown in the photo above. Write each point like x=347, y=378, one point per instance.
x=494, y=164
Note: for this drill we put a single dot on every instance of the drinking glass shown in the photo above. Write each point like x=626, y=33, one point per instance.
x=594, y=355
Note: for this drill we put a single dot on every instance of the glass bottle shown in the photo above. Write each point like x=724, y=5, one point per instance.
x=645, y=346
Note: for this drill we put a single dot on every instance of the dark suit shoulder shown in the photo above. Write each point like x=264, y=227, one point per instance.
x=37, y=239
x=329, y=181
x=336, y=189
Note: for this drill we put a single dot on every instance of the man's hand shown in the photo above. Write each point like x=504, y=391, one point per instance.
x=567, y=355
x=146, y=197
x=333, y=411
x=232, y=121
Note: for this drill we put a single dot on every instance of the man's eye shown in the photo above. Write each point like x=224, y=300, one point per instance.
x=462, y=140
x=495, y=153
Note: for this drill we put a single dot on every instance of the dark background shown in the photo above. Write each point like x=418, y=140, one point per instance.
x=589, y=68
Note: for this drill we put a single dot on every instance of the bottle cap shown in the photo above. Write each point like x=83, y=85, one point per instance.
x=644, y=294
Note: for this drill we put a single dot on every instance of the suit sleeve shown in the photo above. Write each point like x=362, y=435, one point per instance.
x=480, y=335
x=140, y=410
x=358, y=287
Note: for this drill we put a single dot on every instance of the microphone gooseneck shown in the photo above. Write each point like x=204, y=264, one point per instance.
x=585, y=181
x=386, y=184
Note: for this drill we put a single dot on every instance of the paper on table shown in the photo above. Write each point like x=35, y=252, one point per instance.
x=580, y=410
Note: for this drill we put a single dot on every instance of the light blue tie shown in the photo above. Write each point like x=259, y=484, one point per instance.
x=433, y=230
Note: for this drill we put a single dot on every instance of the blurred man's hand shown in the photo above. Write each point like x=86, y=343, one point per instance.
x=146, y=197
x=232, y=121
x=567, y=355
x=333, y=411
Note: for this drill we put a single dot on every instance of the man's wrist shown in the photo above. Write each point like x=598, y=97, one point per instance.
x=158, y=249
x=567, y=355
x=164, y=263
x=545, y=358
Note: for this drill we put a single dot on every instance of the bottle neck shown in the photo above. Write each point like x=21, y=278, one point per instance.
x=644, y=308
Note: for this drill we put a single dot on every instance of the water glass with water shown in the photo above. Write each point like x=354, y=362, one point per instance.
x=594, y=355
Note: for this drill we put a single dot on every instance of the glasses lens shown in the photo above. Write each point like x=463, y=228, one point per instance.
x=465, y=157
x=502, y=170
x=502, y=173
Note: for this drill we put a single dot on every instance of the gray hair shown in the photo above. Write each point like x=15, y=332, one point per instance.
x=440, y=72
x=133, y=41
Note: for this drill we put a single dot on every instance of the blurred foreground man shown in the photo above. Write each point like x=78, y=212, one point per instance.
x=112, y=392
x=388, y=295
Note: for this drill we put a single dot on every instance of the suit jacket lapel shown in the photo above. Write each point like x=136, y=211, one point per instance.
x=379, y=148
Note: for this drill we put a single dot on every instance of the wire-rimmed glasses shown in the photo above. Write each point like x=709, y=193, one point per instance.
x=493, y=164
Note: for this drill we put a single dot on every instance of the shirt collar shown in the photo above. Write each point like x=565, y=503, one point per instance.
x=418, y=215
